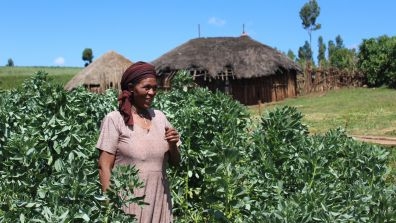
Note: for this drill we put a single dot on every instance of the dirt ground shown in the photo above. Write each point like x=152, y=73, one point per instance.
x=387, y=141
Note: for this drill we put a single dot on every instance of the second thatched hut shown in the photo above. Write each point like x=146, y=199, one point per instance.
x=246, y=69
x=102, y=74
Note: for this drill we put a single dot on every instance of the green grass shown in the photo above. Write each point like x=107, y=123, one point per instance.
x=360, y=111
x=12, y=77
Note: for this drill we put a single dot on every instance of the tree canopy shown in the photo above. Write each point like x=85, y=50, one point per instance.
x=87, y=55
x=10, y=63
x=308, y=14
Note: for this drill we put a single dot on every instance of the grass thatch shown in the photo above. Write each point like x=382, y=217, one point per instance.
x=108, y=67
x=247, y=57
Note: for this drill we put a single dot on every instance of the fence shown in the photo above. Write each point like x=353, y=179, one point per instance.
x=320, y=80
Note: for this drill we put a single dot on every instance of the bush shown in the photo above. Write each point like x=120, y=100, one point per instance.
x=324, y=178
x=48, y=162
x=377, y=60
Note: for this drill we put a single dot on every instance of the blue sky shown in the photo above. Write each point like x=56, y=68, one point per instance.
x=55, y=32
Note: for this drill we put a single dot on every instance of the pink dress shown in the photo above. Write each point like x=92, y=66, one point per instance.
x=147, y=150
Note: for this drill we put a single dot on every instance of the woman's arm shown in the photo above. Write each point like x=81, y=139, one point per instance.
x=105, y=164
x=172, y=137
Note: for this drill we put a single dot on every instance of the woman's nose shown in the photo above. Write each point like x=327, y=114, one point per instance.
x=151, y=91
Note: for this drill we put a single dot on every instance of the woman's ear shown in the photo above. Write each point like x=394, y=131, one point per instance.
x=130, y=88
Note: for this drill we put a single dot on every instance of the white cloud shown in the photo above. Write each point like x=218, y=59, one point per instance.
x=60, y=61
x=216, y=21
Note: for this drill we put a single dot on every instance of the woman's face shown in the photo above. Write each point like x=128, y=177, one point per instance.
x=144, y=92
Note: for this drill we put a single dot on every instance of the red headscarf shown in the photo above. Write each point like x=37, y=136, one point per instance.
x=133, y=74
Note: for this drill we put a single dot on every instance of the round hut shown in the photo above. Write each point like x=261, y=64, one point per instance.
x=246, y=69
x=103, y=73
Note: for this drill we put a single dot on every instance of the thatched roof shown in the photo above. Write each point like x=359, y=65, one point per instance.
x=110, y=66
x=247, y=57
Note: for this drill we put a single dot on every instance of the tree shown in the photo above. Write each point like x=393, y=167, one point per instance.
x=87, y=55
x=305, y=53
x=377, y=60
x=308, y=14
x=10, y=63
x=343, y=59
x=331, y=47
x=291, y=55
x=339, y=42
x=339, y=56
x=321, y=52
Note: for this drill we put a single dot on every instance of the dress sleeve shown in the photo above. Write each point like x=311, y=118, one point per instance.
x=108, y=137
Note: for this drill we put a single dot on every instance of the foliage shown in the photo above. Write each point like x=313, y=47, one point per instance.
x=330, y=49
x=231, y=170
x=291, y=55
x=305, y=53
x=377, y=60
x=10, y=63
x=274, y=173
x=183, y=81
x=87, y=55
x=48, y=159
x=323, y=178
x=213, y=128
x=308, y=14
x=341, y=57
x=321, y=52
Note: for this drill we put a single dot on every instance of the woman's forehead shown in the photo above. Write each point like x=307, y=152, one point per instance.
x=148, y=81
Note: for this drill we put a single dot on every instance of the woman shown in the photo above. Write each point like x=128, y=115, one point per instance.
x=138, y=135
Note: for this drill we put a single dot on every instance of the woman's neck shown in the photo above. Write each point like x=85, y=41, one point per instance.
x=139, y=111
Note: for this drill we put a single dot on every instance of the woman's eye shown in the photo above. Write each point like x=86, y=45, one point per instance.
x=147, y=88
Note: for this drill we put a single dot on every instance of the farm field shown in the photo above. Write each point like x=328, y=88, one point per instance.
x=11, y=77
x=232, y=169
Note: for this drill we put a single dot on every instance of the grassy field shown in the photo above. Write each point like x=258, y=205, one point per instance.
x=11, y=77
x=360, y=111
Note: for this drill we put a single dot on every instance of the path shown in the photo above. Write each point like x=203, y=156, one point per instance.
x=383, y=140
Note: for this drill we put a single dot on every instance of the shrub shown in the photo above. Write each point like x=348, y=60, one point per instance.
x=48, y=162
x=377, y=60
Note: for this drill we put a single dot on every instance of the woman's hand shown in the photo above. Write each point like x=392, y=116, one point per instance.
x=172, y=136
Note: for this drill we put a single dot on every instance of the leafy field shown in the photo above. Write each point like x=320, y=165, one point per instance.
x=11, y=77
x=234, y=169
x=360, y=111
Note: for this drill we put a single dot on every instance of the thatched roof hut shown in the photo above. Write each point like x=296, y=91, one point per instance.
x=103, y=73
x=247, y=69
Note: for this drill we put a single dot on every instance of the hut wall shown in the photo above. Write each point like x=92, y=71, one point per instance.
x=254, y=90
x=264, y=89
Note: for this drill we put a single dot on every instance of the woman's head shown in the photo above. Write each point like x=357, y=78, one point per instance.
x=139, y=86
